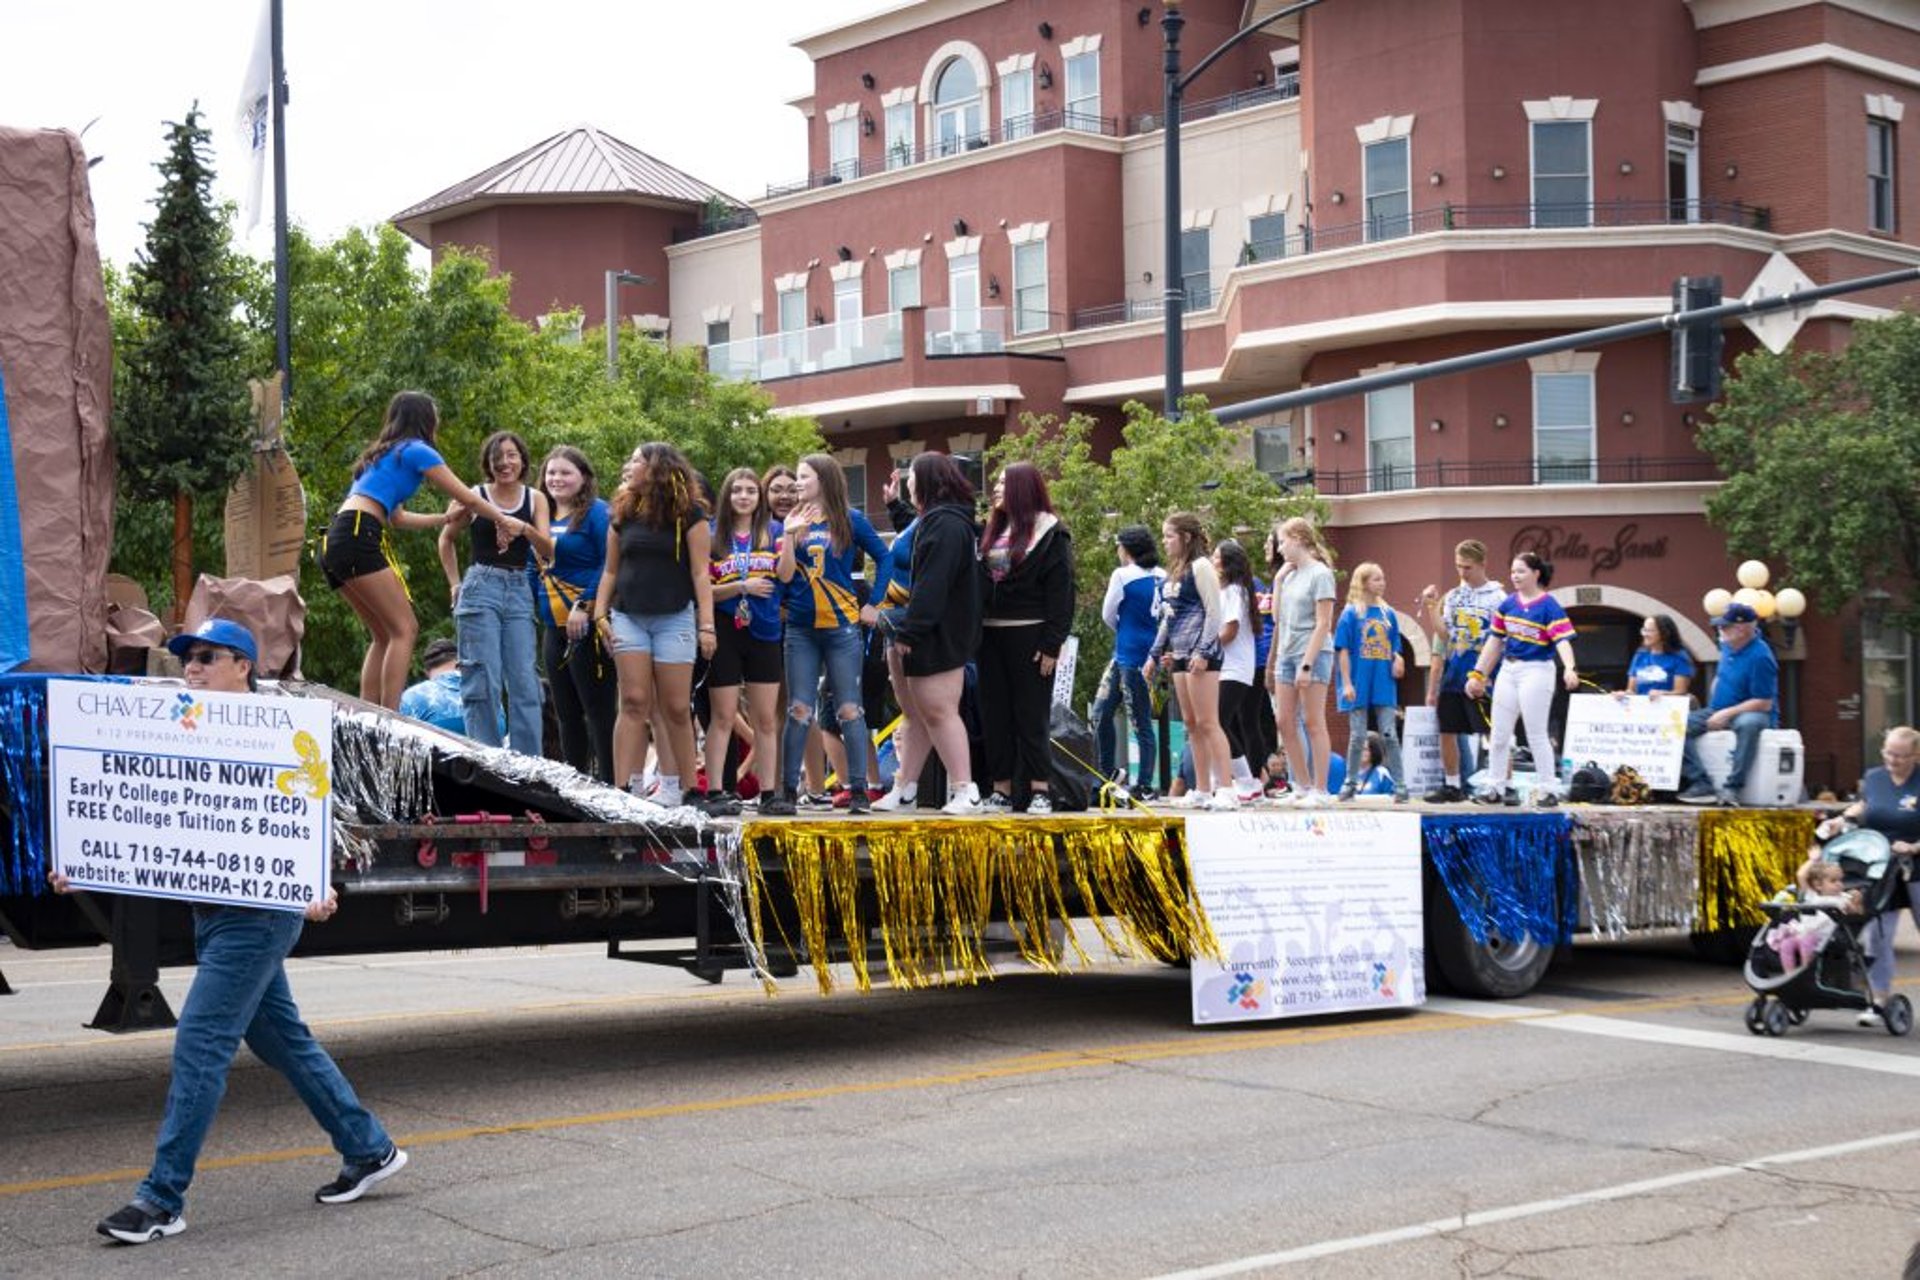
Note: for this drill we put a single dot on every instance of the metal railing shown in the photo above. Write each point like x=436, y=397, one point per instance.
x=1519, y=471
x=732, y=220
x=820, y=348
x=966, y=331
x=1284, y=86
x=888, y=159
x=1456, y=217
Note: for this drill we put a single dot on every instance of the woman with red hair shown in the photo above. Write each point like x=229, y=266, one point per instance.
x=1028, y=557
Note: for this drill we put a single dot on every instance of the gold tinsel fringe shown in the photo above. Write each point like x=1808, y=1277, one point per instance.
x=1746, y=856
x=936, y=882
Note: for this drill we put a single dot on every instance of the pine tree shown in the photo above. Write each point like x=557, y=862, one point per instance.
x=184, y=423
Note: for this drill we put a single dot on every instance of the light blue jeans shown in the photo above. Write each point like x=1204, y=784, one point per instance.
x=1124, y=684
x=241, y=991
x=1877, y=937
x=1747, y=727
x=493, y=623
x=839, y=651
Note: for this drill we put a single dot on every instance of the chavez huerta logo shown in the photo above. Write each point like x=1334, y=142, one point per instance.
x=1246, y=991
x=187, y=711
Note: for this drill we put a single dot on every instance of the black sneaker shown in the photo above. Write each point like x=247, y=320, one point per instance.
x=1698, y=795
x=718, y=804
x=140, y=1223
x=355, y=1179
x=1510, y=798
x=859, y=802
x=1446, y=793
x=774, y=804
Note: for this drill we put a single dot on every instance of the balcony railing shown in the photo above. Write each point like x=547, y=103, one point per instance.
x=849, y=344
x=1459, y=217
x=714, y=224
x=1459, y=475
x=1284, y=86
x=1011, y=130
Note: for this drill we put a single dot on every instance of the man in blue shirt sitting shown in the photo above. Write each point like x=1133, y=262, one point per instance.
x=436, y=699
x=1746, y=699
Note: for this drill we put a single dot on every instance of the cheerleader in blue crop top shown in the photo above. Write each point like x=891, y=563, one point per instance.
x=354, y=552
x=1529, y=628
x=745, y=565
x=823, y=538
x=580, y=674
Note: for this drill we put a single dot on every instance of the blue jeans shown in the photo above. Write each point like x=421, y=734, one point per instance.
x=840, y=651
x=1124, y=684
x=241, y=990
x=1746, y=727
x=1877, y=937
x=493, y=622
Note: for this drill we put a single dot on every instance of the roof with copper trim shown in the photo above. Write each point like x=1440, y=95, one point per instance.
x=580, y=163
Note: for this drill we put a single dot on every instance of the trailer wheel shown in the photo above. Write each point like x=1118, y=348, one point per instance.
x=1500, y=968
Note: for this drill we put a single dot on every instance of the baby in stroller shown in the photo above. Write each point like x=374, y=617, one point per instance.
x=1809, y=954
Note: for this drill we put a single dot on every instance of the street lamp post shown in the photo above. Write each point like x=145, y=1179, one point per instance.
x=615, y=279
x=1173, y=287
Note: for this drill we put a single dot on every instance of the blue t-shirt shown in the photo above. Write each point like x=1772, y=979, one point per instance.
x=1263, y=610
x=1653, y=672
x=1130, y=609
x=821, y=594
x=436, y=701
x=735, y=559
x=1891, y=810
x=1370, y=635
x=579, y=558
x=1468, y=614
x=1529, y=631
x=396, y=475
x=1750, y=672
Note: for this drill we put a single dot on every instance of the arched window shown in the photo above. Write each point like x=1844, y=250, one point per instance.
x=956, y=108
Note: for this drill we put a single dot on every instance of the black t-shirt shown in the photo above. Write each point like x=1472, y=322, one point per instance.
x=486, y=543
x=654, y=576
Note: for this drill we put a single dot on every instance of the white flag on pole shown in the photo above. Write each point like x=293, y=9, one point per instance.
x=254, y=117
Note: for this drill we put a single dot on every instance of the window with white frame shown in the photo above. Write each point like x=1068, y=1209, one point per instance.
x=847, y=312
x=1266, y=237
x=1389, y=199
x=1196, y=267
x=1083, y=91
x=843, y=147
x=1562, y=173
x=1881, y=211
x=793, y=323
x=900, y=143
x=956, y=108
x=963, y=292
x=1030, y=287
x=903, y=286
x=1390, y=439
x=1683, y=173
x=1563, y=434
x=1016, y=103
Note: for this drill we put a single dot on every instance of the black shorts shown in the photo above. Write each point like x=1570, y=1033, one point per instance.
x=1199, y=662
x=738, y=656
x=1457, y=713
x=354, y=545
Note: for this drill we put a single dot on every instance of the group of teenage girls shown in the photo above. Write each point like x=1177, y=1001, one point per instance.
x=754, y=586
x=754, y=583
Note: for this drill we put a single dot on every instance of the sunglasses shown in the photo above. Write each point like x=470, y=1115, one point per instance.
x=204, y=657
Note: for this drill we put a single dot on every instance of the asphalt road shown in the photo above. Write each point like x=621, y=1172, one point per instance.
x=568, y=1115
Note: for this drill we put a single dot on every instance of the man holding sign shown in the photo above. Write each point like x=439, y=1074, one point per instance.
x=240, y=991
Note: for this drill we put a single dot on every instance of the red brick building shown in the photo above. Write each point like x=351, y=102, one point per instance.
x=978, y=236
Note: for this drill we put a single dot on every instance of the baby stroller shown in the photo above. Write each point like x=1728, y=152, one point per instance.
x=1835, y=976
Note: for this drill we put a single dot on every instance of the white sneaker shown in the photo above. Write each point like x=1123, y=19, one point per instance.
x=1868, y=1018
x=897, y=799
x=1249, y=792
x=1039, y=805
x=1313, y=800
x=963, y=801
x=667, y=799
x=996, y=803
x=1224, y=798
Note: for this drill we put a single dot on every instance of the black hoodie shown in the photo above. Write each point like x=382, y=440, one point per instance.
x=1039, y=589
x=942, y=622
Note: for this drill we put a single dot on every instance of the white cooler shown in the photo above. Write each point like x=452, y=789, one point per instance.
x=1778, y=774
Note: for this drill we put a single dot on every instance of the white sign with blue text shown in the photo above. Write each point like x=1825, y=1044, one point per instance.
x=1317, y=911
x=169, y=792
x=1646, y=733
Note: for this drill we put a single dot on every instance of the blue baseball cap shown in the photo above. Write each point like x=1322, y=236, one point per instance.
x=228, y=635
x=1736, y=612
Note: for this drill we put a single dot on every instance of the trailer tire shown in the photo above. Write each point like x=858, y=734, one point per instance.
x=1497, y=969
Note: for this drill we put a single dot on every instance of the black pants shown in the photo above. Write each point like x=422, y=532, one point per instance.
x=1015, y=700
x=1240, y=719
x=586, y=699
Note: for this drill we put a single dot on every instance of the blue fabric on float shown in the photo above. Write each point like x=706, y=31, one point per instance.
x=23, y=777
x=15, y=642
x=1515, y=872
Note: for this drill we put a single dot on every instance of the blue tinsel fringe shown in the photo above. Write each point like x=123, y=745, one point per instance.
x=1515, y=872
x=23, y=774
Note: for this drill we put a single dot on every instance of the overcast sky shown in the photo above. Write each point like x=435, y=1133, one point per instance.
x=393, y=100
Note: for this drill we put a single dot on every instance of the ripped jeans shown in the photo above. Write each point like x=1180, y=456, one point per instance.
x=838, y=651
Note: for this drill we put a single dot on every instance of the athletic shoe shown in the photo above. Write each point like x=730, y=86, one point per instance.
x=775, y=805
x=1401, y=795
x=997, y=802
x=1347, y=795
x=1698, y=795
x=1867, y=1018
x=810, y=800
x=964, y=804
x=1510, y=798
x=1040, y=806
x=842, y=798
x=1488, y=795
x=668, y=799
x=1248, y=792
x=890, y=801
x=357, y=1179
x=718, y=805
x=1544, y=798
x=1314, y=800
x=1726, y=799
x=1445, y=793
x=140, y=1223
x=857, y=802
x=1223, y=799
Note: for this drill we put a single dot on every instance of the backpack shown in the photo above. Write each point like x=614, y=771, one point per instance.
x=1590, y=784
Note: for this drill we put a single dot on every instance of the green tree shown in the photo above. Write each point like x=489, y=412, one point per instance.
x=183, y=421
x=1822, y=457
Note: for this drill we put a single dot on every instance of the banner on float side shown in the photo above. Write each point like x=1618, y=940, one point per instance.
x=1063, y=671
x=1420, y=750
x=1648, y=734
x=169, y=792
x=1317, y=912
